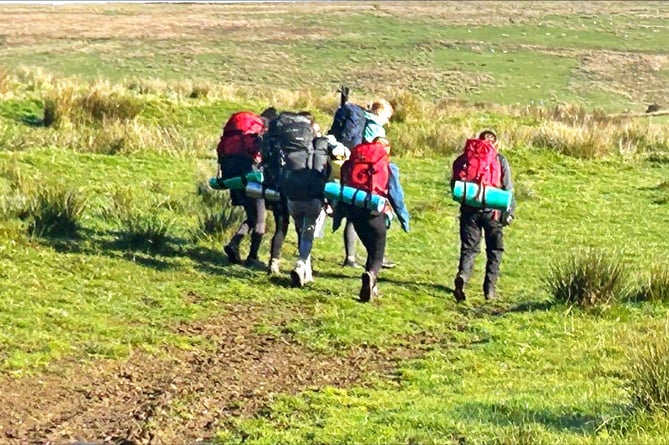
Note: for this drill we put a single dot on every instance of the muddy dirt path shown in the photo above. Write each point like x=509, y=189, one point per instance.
x=181, y=397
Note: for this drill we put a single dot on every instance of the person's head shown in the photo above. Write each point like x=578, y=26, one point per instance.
x=315, y=125
x=269, y=114
x=488, y=135
x=383, y=110
x=383, y=141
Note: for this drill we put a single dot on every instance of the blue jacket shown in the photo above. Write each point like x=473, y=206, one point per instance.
x=396, y=197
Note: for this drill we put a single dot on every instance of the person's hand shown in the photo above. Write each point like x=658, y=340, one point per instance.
x=507, y=219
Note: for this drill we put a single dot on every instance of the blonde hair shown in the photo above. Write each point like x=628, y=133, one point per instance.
x=381, y=105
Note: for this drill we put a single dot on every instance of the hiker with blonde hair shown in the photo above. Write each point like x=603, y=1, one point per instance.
x=376, y=118
x=368, y=170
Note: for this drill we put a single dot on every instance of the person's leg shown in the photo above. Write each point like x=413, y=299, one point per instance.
x=470, y=240
x=296, y=212
x=310, y=211
x=305, y=214
x=232, y=248
x=349, y=244
x=494, y=247
x=281, y=222
x=372, y=233
x=258, y=233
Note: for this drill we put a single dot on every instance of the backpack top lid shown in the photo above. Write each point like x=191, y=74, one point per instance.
x=244, y=122
x=241, y=136
x=481, y=163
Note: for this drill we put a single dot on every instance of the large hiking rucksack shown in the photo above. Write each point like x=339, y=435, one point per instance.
x=480, y=164
x=304, y=182
x=241, y=136
x=348, y=124
x=368, y=168
x=291, y=161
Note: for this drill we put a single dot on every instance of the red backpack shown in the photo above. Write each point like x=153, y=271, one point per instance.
x=479, y=164
x=241, y=135
x=368, y=168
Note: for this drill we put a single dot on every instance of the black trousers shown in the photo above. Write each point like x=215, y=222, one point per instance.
x=472, y=223
x=371, y=230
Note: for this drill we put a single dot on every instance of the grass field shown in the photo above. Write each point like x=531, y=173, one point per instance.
x=122, y=321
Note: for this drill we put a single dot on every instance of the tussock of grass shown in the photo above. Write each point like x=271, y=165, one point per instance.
x=649, y=365
x=216, y=216
x=54, y=211
x=590, y=278
x=145, y=231
x=655, y=286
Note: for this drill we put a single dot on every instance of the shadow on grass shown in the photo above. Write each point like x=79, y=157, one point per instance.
x=164, y=257
x=406, y=284
x=505, y=415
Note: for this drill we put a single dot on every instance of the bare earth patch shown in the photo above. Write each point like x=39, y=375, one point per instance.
x=182, y=396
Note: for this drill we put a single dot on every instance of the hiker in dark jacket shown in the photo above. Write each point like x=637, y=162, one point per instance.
x=473, y=221
x=306, y=204
x=254, y=208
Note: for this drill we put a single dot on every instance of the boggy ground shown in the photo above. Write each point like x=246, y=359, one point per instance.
x=181, y=396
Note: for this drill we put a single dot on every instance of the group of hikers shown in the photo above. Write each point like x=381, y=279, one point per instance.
x=281, y=161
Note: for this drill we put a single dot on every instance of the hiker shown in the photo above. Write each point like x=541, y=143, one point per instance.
x=372, y=126
x=306, y=170
x=368, y=169
x=482, y=163
x=287, y=132
x=238, y=154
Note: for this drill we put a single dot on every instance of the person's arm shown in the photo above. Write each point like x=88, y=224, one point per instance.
x=507, y=184
x=396, y=197
x=457, y=166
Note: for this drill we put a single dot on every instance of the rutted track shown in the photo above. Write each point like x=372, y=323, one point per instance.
x=182, y=396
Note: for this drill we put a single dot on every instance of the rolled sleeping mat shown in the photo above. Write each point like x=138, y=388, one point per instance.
x=236, y=182
x=492, y=197
x=357, y=197
x=257, y=191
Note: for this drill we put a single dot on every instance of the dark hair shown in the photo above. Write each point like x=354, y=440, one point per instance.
x=270, y=113
x=485, y=133
x=308, y=115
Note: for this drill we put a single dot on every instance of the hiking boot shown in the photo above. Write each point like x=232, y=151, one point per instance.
x=369, y=288
x=388, y=264
x=232, y=252
x=489, y=294
x=298, y=275
x=350, y=262
x=459, y=291
x=255, y=263
x=273, y=268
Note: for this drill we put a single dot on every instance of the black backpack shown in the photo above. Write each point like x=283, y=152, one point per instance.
x=307, y=181
x=285, y=145
x=294, y=162
x=348, y=124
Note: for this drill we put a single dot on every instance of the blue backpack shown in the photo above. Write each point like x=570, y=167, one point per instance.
x=348, y=125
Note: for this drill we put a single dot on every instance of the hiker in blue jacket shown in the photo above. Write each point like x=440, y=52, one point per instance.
x=375, y=121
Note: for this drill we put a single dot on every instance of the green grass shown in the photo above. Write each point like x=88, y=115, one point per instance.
x=498, y=60
x=523, y=369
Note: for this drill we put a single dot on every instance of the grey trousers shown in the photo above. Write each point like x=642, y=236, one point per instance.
x=305, y=214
